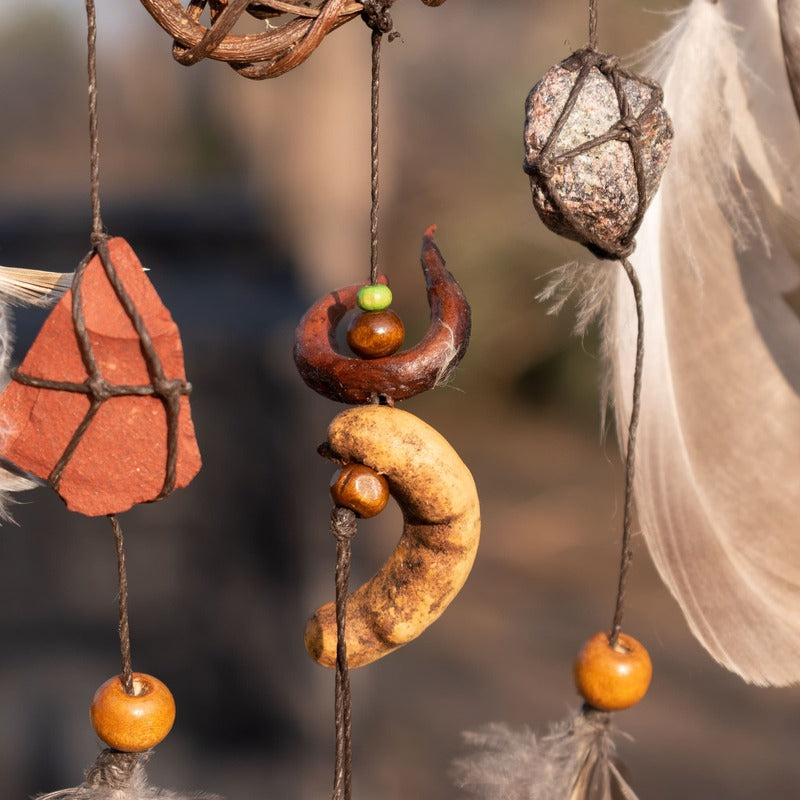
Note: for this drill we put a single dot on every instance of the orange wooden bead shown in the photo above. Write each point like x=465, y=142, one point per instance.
x=360, y=489
x=611, y=678
x=135, y=722
x=375, y=334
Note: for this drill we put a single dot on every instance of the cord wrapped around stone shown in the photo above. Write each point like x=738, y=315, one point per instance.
x=597, y=139
x=263, y=55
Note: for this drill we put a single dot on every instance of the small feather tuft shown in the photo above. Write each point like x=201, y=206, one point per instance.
x=134, y=787
x=574, y=761
x=591, y=286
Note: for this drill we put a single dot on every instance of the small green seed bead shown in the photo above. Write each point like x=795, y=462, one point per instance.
x=374, y=297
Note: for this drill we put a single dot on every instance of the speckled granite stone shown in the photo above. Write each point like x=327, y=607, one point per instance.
x=596, y=187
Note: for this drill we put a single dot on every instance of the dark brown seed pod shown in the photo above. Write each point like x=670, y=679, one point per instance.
x=397, y=377
x=597, y=139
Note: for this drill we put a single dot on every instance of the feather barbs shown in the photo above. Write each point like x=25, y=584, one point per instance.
x=575, y=760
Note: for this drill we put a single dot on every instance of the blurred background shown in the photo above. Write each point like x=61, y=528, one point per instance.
x=247, y=200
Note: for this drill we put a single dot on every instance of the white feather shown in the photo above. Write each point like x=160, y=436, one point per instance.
x=718, y=451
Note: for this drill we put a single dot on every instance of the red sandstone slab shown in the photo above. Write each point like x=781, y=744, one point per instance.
x=121, y=459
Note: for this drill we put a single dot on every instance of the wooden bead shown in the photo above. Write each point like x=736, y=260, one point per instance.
x=134, y=722
x=375, y=334
x=612, y=678
x=360, y=489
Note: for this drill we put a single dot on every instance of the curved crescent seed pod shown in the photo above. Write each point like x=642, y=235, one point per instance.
x=345, y=379
x=441, y=529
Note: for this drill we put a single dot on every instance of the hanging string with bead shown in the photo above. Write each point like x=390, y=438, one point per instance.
x=597, y=139
x=376, y=332
x=343, y=527
x=582, y=207
x=130, y=712
x=357, y=491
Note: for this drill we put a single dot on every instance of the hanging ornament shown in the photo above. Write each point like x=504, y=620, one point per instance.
x=717, y=258
x=99, y=409
x=597, y=139
x=131, y=713
x=382, y=452
x=718, y=487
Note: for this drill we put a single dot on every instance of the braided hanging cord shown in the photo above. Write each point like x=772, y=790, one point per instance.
x=626, y=556
x=124, y=623
x=377, y=17
x=343, y=527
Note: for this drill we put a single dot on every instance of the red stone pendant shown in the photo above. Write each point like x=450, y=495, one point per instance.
x=121, y=459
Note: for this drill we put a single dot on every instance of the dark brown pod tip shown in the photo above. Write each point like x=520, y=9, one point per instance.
x=345, y=379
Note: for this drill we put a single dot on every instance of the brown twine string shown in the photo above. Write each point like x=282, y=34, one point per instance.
x=593, y=24
x=96, y=386
x=124, y=623
x=91, y=24
x=376, y=15
x=113, y=769
x=626, y=557
x=343, y=526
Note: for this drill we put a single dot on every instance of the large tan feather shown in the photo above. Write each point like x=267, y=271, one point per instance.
x=718, y=453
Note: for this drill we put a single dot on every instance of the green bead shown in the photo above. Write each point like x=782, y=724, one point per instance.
x=374, y=297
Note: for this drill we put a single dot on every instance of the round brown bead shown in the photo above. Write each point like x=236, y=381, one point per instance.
x=360, y=489
x=375, y=334
x=134, y=722
x=612, y=677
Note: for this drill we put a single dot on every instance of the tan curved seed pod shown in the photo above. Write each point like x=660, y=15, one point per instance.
x=441, y=529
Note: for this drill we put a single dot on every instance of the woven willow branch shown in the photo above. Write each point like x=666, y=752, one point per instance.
x=262, y=55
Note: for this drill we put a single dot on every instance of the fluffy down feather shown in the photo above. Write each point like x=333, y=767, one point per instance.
x=136, y=787
x=575, y=761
